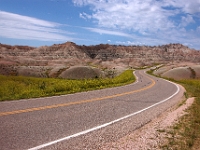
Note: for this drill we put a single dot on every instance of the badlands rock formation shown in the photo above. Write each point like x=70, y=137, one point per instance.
x=179, y=71
x=52, y=61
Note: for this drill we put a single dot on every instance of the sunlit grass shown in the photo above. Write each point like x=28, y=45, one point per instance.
x=18, y=87
x=185, y=134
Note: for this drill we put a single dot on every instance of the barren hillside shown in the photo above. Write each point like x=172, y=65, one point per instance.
x=41, y=61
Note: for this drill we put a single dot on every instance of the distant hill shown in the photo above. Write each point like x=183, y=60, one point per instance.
x=40, y=61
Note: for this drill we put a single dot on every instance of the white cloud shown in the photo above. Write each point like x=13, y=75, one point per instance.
x=141, y=16
x=23, y=27
x=134, y=15
x=198, y=29
x=131, y=43
x=102, y=31
x=186, y=6
x=156, y=21
x=85, y=16
x=186, y=20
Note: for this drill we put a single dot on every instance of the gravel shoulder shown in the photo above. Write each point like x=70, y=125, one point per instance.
x=153, y=134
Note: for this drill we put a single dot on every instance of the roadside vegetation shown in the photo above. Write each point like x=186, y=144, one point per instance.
x=185, y=135
x=20, y=87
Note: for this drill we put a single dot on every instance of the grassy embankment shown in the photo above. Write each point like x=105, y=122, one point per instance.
x=185, y=135
x=18, y=87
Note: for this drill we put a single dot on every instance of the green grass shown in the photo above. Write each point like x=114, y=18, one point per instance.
x=185, y=135
x=19, y=87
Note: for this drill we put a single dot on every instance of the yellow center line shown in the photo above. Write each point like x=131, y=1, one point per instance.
x=75, y=103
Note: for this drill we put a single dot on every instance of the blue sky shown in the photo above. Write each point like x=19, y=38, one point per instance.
x=91, y=22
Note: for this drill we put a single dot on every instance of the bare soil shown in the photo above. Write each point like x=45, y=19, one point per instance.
x=179, y=71
x=81, y=72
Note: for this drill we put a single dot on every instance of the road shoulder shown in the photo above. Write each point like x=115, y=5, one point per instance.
x=153, y=134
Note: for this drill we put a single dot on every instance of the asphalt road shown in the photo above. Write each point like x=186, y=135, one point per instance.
x=84, y=120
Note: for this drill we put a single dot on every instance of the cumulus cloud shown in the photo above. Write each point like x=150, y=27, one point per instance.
x=142, y=16
x=186, y=20
x=135, y=15
x=85, y=15
x=23, y=27
x=152, y=20
x=186, y=6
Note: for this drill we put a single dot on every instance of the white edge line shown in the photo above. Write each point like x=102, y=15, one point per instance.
x=106, y=124
x=136, y=77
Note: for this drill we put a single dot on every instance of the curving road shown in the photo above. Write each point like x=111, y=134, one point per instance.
x=84, y=120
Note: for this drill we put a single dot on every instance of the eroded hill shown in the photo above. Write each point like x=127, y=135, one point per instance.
x=51, y=61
